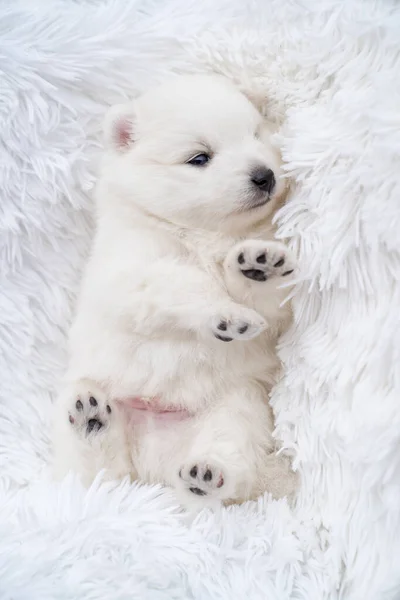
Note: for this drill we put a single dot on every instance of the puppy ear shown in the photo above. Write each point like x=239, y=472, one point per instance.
x=254, y=91
x=257, y=98
x=119, y=126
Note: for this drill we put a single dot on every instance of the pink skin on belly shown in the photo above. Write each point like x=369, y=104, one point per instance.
x=139, y=410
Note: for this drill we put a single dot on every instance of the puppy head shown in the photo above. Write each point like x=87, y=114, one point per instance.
x=194, y=152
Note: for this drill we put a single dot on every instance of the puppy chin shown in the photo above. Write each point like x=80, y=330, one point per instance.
x=257, y=200
x=257, y=207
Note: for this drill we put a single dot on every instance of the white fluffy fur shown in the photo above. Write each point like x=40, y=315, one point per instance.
x=166, y=312
x=329, y=69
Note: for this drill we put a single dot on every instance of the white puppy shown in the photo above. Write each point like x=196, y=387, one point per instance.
x=173, y=346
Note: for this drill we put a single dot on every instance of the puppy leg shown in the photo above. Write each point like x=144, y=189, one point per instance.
x=254, y=270
x=175, y=295
x=230, y=457
x=89, y=434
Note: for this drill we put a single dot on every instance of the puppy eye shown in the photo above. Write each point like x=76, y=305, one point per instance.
x=199, y=160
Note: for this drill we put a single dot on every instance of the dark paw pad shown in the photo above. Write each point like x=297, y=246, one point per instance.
x=224, y=339
x=198, y=491
x=207, y=475
x=223, y=326
x=255, y=275
x=262, y=259
x=93, y=425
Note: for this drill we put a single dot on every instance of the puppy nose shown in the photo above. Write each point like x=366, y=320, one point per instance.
x=264, y=179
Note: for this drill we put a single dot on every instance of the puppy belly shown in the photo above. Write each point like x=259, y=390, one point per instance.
x=216, y=455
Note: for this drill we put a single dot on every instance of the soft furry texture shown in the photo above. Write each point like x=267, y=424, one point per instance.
x=182, y=301
x=329, y=71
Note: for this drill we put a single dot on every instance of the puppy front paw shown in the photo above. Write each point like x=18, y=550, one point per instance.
x=202, y=479
x=238, y=324
x=89, y=412
x=260, y=260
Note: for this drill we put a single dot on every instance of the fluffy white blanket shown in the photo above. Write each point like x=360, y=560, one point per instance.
x=330, y=74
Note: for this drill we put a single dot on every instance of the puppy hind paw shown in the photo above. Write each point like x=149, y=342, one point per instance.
x=202, y=479
x=89, y=412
